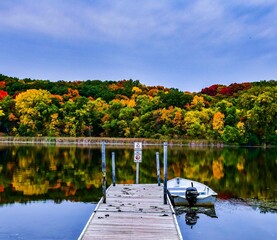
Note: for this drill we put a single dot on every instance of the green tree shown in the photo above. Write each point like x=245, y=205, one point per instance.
x=97, y=116
x=8, y=120
x=231, y=118
x=259, y=111
x=174, y=98
x=231, y=135
x=75, y=117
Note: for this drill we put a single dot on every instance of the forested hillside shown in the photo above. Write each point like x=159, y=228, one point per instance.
x=239, y=113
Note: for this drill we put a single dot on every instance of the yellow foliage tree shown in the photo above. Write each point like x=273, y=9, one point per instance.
x=136, y=90
x=32, y=108
x=218, y=122
x=241, y=127
x=1, y=112
x=198, y=102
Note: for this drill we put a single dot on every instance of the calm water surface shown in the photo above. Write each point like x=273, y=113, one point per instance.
x=235, y=220
x=44, y=220
x=49, y=192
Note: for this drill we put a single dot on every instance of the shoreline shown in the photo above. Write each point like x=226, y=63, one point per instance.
x=107, y=140
x=93, y=141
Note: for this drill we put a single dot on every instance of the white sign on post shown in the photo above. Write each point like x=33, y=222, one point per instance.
x=138, y=156
x=138, y=146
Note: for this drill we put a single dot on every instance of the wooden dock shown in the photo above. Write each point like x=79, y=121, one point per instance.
x=135, y=211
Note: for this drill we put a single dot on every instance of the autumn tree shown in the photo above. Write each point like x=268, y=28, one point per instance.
x=3, y=94
x=197, y=103
x=198, y=123
x=34, y=109
x=74, y=116
x=1, y=112
x=239, y=113
x=218, y=122
x=169, y=122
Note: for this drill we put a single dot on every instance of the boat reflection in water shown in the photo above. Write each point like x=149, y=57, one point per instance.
x=192, y=214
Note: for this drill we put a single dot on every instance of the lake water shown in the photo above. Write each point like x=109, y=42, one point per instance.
x=49, y=192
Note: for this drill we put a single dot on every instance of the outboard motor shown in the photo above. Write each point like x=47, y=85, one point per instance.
x=191, y=195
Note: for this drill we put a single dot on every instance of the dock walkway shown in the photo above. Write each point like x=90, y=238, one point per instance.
x=132, y=211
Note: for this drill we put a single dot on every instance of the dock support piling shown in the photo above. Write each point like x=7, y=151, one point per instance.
x=113, y=168
x=158, y=168
x=165, y=172
x=104, y=183
x=137, y=173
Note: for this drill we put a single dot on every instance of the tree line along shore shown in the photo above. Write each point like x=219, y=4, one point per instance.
x=241, y=114
x=107, y=141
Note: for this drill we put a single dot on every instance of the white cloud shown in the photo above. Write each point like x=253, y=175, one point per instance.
x=197, y=32
x=38, y=17
x=125, y=20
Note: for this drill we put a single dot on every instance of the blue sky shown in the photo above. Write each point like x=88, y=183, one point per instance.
x=181, y=44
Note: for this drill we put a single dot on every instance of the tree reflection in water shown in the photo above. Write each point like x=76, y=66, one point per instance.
x=74, y=172
x=244, y=178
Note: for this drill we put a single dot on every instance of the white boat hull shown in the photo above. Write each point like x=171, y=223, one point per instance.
x=205, y=202
x=177, y=192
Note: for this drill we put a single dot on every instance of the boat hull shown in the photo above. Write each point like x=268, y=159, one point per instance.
x=177, y=188
x=182, y=201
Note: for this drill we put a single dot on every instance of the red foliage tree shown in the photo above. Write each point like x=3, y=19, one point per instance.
x=225, y=91
x=212, y=90
x=235, y=87
x=3, y=94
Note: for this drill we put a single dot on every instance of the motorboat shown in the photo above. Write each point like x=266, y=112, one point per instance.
x=190, y=193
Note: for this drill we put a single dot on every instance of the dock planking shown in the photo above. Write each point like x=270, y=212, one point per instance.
x=132, y=211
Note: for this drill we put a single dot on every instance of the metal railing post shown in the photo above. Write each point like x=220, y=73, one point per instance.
x=158, y=168
x=104, y=187
x=113, y=168
x=165, y=172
